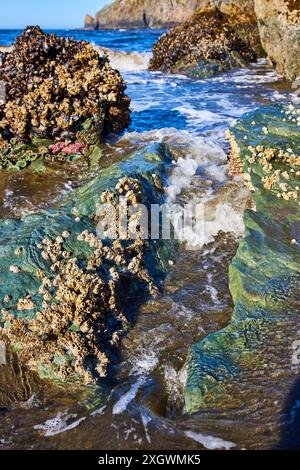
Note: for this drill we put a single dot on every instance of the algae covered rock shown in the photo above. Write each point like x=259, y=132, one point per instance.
x=203, y=46
x=58, y=89
x=279, y=27
x=67, y=296
x=255, y=349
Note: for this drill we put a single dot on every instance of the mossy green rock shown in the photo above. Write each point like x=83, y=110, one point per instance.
x=20, y=240
x=264, y=275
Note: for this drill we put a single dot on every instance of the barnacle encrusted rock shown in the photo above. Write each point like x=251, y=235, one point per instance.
x=203, y=46
x=279, y=27
x=67, y=295
x=278, y=167
x=58, y=89
x=264, y=275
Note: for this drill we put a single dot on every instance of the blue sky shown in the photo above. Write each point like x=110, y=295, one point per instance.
x=47, y=13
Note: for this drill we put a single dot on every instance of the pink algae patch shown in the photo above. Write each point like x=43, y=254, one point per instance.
x=68, y=148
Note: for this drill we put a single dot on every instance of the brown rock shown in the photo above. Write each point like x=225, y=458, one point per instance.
x=279, y=27
x=53, y=86
x=147, y=13
x=203, y=46
x=89, y=22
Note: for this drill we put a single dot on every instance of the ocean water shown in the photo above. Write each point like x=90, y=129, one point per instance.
x=142, y=407
x=125, y=40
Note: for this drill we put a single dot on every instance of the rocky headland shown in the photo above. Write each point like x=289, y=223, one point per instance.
x=143, y=13
x=166, y=13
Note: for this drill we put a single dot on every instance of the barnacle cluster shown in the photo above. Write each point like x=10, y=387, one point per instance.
x=207, y=36
x=82, y=309
x=18, y=155
x=54, y=86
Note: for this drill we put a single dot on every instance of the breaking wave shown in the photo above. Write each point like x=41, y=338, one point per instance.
x=127, y=61
x=199, y=177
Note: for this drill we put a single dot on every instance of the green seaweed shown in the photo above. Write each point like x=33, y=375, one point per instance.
x=264, y=275
x=20, y=240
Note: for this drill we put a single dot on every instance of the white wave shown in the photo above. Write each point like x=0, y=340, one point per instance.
x=199, y=116
x=268, y=77
x=279, y=96
x=128, y=397
x=138, y=105
x=126, y=61
x=194, y=154
x=59, y=424
x=211, y=289
x=210, y=442
x=146, y=419
x=143, y=364
x=99, y=411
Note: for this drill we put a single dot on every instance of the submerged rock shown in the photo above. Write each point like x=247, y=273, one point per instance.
x=205, y=45
x=67, y=296
x=279, y=27
x=255, y=349
x=57, y=89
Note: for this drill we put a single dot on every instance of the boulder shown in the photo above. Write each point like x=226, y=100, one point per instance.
x=67, y=295
x=203, y=46
x=57, y=89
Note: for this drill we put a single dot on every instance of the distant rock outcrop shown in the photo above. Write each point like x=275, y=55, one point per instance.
x=89, y=22
x=279, y=27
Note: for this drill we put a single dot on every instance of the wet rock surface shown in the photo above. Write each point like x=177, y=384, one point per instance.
x=202, y=47
x=256, y=349
x=68, y=297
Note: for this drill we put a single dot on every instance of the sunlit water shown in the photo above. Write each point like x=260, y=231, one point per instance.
x=141, y=405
